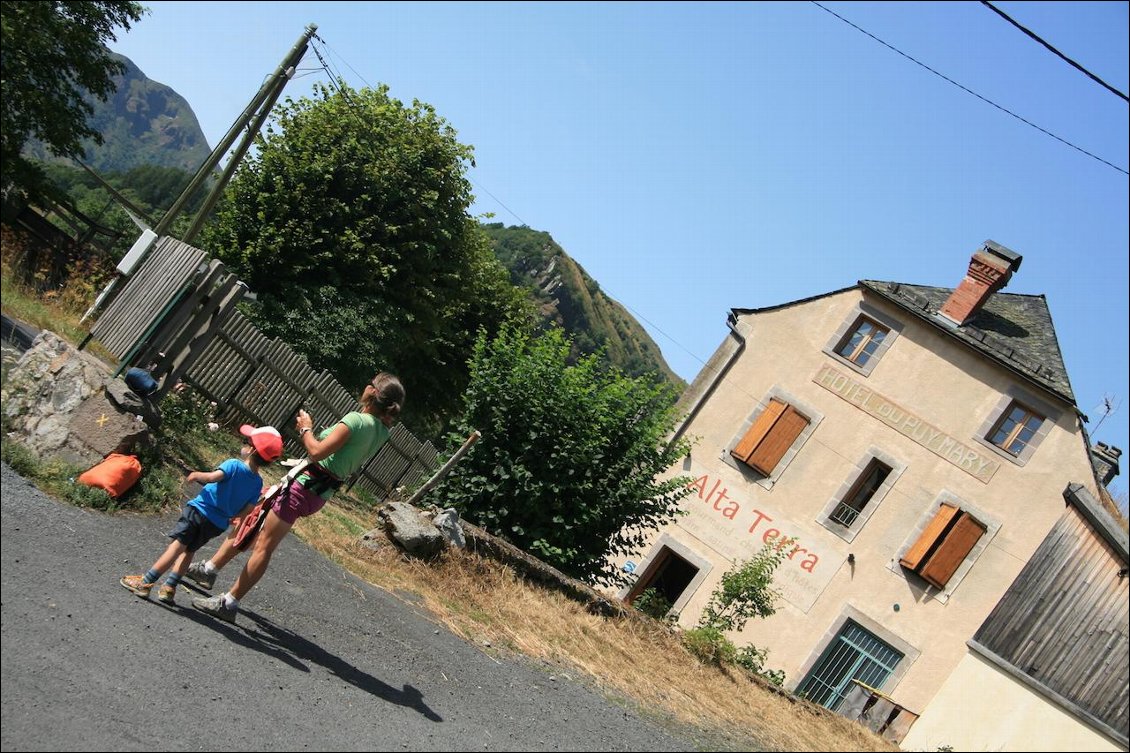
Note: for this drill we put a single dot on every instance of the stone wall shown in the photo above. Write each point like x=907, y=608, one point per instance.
x=65, y=404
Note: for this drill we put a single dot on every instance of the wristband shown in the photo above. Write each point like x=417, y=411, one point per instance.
x=303, y=430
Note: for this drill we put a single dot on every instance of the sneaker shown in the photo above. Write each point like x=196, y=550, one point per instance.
x=214, y=605
x=200, y=577
x=167, y=594
x=137, y=584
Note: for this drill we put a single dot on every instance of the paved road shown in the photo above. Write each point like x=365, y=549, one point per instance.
x=319, y=660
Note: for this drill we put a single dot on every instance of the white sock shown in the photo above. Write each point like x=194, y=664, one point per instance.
x=209, y=567
x=230, y=602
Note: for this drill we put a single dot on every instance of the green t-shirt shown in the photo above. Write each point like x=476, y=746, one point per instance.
x=366, y=435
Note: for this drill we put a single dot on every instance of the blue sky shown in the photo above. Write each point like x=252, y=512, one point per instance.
x=697, y=157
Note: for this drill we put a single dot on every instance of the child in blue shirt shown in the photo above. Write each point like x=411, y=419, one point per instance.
x=229, y=491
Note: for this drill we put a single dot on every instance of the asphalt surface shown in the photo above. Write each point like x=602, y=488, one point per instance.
x=317, y=660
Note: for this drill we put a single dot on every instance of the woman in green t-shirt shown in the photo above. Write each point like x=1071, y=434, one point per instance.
x=334, y=454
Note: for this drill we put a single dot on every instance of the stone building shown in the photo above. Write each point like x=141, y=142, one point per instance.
x=915, y=442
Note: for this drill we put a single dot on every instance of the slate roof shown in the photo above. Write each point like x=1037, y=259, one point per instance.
x=1014, y=330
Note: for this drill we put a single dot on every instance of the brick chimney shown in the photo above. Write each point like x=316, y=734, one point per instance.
x=1105, y=460
x=990, y=269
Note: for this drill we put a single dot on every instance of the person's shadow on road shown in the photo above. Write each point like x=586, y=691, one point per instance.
x=290, y=648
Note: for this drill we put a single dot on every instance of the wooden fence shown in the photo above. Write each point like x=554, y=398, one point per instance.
x=178, y=310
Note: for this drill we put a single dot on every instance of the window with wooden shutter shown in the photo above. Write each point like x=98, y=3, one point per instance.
x=770, y=437
x=944, y=545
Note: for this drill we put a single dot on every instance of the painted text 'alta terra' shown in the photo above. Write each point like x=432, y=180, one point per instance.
x=728, y=507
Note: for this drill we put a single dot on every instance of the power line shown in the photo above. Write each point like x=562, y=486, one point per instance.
x=332, y=75
x=970, y=91
x=1059, y=54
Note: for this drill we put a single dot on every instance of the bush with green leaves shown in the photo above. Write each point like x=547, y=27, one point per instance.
x=745, y=591
x=654, y=604
x=569, y=462
x=710, y=645
x=753, y=659
x=350, y=221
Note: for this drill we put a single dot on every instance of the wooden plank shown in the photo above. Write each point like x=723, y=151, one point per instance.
x=778, y=441
x=921, y=547
x=761, y=427
x=959, y=542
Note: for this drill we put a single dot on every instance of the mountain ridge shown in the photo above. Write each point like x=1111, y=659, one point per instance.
x=146, y=123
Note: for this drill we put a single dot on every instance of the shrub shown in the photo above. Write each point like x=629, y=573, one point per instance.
x=753, y=658
x=654, y=604
x=710, y=645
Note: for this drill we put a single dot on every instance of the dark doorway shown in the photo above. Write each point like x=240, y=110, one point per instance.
x=669, y=574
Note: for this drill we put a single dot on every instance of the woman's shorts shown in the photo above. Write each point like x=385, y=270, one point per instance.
x=299, y=502
x=193, y=529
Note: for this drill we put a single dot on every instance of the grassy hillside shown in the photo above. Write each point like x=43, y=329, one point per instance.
x=566, y=295
x=143, y=123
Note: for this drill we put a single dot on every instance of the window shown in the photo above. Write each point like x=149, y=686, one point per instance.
x=847, y=511
x=854, y=654
x=861, y=345
x=1017, y=425
x=770, y=437
x=944, y=544
x=864, y=336
x=1016, y=429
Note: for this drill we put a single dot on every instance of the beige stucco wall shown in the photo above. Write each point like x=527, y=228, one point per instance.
x=930, y=375
x=981, y=709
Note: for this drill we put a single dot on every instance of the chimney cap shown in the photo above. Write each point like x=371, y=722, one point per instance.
x=1005, y=253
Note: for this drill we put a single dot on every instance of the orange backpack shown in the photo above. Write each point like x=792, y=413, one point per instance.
x=116, y=474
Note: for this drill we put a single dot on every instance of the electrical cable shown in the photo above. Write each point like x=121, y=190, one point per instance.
x=970, y=91
x=1056, y=52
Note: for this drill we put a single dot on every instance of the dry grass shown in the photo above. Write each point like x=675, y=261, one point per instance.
x=639, y=660
x=636, y=659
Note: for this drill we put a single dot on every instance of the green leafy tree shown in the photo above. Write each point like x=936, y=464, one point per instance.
x=568, y=463
x=746, y=591
x=53, y=56
x=350, y=223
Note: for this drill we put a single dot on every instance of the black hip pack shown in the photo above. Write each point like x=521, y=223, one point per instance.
x=320, y=480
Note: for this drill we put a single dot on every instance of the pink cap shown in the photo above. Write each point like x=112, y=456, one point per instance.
x=266, y=440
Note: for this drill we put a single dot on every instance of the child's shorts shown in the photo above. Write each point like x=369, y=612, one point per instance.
x=298, y=502
x=194, y=530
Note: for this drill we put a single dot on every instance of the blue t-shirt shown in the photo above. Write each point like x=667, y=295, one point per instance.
x=220, y=501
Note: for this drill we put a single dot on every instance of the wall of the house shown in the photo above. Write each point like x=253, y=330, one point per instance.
x=939, y=382
x=981, y=708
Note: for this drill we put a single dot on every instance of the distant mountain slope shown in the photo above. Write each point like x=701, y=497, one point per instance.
x=565, y=294
x=143, y=123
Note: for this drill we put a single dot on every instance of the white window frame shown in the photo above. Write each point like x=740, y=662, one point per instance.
x=861, y=311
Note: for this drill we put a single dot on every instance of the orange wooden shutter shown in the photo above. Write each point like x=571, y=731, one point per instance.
x=914, y=555
x=943, y=563
x=759, y=429
x=778, y=441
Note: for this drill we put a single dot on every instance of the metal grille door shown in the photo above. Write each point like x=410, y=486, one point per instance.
x=855, y=654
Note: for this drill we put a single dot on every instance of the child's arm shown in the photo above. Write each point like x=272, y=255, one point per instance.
x=245, y=510
x=206, y=477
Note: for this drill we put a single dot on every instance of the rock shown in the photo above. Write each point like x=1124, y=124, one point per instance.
x=410, y=530
x=447, y=523
x=63, y=403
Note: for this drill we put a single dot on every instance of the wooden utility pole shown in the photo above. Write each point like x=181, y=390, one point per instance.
x=258, y=110
x=260, y=106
